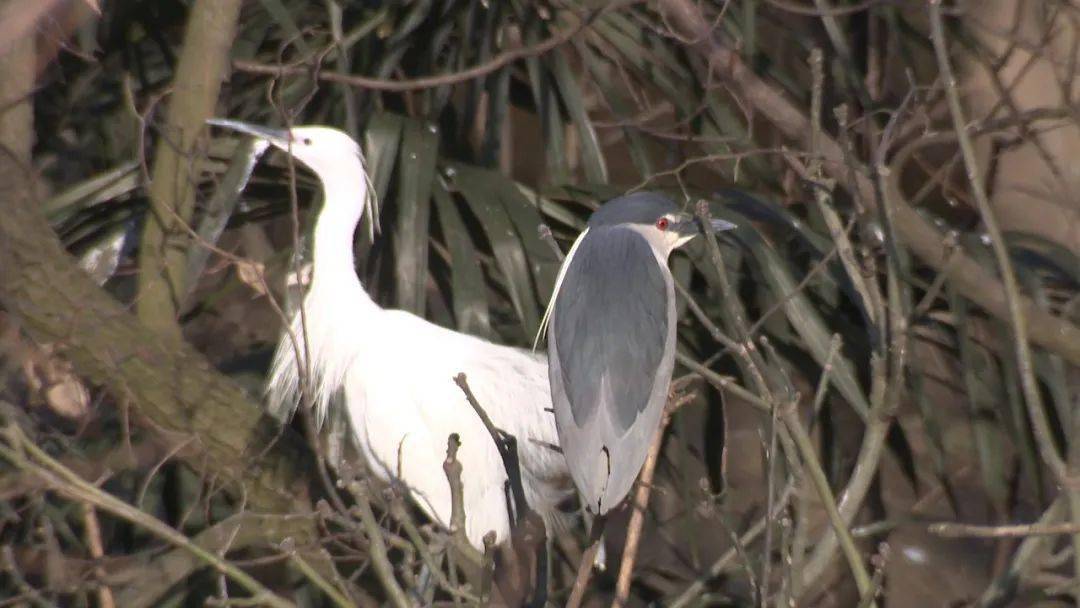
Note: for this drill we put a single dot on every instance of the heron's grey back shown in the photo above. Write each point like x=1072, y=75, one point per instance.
x=611, y=320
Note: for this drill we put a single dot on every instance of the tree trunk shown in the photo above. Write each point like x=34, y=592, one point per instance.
x=163, y=248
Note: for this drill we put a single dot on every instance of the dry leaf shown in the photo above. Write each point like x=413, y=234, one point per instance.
x=252, y=274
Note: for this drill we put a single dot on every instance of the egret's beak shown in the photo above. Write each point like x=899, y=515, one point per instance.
x=277, y=137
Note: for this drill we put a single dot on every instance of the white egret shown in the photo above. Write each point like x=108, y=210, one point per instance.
x=395, y=371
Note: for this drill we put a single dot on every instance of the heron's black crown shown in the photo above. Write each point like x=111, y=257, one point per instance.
x=636, y=208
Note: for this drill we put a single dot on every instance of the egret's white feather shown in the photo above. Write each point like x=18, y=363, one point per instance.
x=393, y=373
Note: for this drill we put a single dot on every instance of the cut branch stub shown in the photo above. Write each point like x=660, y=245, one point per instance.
x=452, y=468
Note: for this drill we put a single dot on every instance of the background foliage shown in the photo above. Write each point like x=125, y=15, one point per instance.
x=884, y=352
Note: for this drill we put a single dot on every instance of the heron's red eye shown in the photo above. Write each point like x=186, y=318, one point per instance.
x=662, y=223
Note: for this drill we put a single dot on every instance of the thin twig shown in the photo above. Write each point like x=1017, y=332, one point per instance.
x=1017, y=319
x=796, y=434
x=545, y=235
x=1028, y=558
x=640, y=504
x=24, y=455
x=384, y=569
x=821, y=484
x=826, y=374
x=97, y=551
x=319, y=581
x=955, y=530
x=585, y=567
x=400, y=513
x=865, y=471
x=487, y=568
x=10, y=568
x=427, y=82
x=693, y=590
x=506, y=445
x=879, y=561
x=452, y=469
x=1050, y=331
x=523, y=519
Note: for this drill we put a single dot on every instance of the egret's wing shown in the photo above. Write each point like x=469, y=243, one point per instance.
x=611, y=323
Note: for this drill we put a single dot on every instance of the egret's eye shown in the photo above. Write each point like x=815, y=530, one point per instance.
x=662, y=223
x=307, y=141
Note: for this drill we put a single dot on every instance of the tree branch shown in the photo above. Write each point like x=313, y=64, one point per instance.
x=163, y=248
x=380, y=560
x=426, y=82
x=977, y=282
x=25, y=456
x=167, y=382
x=640, y=502
x=1017, y=318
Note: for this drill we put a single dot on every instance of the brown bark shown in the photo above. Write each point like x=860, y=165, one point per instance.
x=17, y=61
x=168, y=383
x=163, y=254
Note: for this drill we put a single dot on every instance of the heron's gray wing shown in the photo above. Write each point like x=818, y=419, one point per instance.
x=610, y=322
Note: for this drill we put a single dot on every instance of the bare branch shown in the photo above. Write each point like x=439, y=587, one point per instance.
x=926, y=241
x=26, y=456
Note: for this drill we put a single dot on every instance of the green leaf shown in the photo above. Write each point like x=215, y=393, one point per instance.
x=1023, y=439
x=442, y=44
x=980, y=375
x=419, y=149
x=628, y=53
x=592, y=156
x=623, y=111
x=548, y=207
x=101, y=257
x=381, y=141
x=103, y=187
x=468, y=288
x=498, y=109
x=283, y=16
x=547, y=105
x=1049, y=253
x=364, y=28
x=220, y=208
x=804, y=318
x=480, y=189
x=412, y=20
x=1050, y=368
x=643, y=47
x=543, y=264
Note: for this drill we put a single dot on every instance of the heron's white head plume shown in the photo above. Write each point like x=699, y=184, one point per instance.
x=542, y=330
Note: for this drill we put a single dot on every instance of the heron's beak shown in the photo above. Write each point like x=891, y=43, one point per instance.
x=689, y=227
x=277, y=137
x=722, y=225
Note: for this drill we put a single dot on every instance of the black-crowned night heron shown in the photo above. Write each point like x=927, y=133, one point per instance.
x=394, y=371
x=611, y=341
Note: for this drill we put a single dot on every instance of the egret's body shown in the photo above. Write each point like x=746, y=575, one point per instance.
x=395, y=371
x=611, y=341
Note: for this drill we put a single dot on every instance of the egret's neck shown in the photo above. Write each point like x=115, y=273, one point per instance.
x=332, y=250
